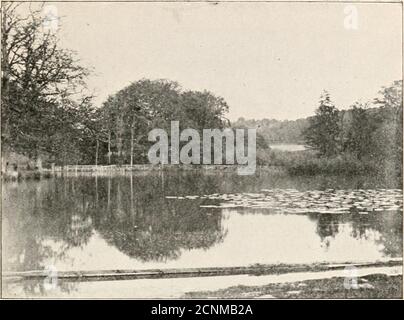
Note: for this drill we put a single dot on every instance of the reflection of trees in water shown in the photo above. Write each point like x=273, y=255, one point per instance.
x=131, y=213
x=386, y=223
x=142, y=223
x=160, y=241
x=328, y=226
x=42, y=221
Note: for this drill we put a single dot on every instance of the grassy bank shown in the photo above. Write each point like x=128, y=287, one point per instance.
x=307, y=162
x=375, y=286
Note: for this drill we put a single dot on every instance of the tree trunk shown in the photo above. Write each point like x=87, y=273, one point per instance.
x=131, y=194
x=5, y=95
x=132, y=133
x=96, y=153
x=119, y=139
x=109, y=147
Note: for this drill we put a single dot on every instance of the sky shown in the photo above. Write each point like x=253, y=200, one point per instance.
x=267, y=60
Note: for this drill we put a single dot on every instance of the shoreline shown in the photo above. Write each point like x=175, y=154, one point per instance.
x=366, y=282
x=123, y=169
x=252, y=270
x=372, y=286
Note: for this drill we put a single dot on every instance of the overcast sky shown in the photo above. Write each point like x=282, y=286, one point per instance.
x=267, y=60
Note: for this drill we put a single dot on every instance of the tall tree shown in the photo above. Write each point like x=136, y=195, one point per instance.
x=324, y=128
x=38, y=76
x=148, y=104
x=359, y=133
x=389, y=134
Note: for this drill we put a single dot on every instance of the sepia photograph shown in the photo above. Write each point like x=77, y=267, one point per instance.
x=211, y=150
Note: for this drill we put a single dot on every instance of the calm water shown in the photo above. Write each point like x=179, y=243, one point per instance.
x=157, y=220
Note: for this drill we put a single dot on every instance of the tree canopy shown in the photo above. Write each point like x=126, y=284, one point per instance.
x=148, y=104
x=43, y=88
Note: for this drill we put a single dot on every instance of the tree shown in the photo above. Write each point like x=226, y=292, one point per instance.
x=324, y=128
x=360, y=140
x=204, y=110
x=38, y=76
x=389, y=134
x=147, y=104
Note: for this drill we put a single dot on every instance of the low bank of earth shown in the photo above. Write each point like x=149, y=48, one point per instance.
x=375, y=286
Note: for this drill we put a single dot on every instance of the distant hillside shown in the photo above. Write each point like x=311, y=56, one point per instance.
x=276, y=131
x=290, y=131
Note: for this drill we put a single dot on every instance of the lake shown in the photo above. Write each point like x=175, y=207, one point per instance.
x=197, y=219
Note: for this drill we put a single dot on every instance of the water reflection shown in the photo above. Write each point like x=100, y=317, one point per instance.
x=124, y=222
x=382, y=230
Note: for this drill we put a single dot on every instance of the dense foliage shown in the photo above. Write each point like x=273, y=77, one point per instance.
x=44, y=107
x=372, y=135
x=146, y=104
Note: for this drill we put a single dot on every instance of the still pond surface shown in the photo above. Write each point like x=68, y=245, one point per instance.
x=198, y=219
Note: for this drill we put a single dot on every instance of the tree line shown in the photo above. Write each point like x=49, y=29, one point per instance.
x=367, y=132
x=47, y=113
x=276, y=131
